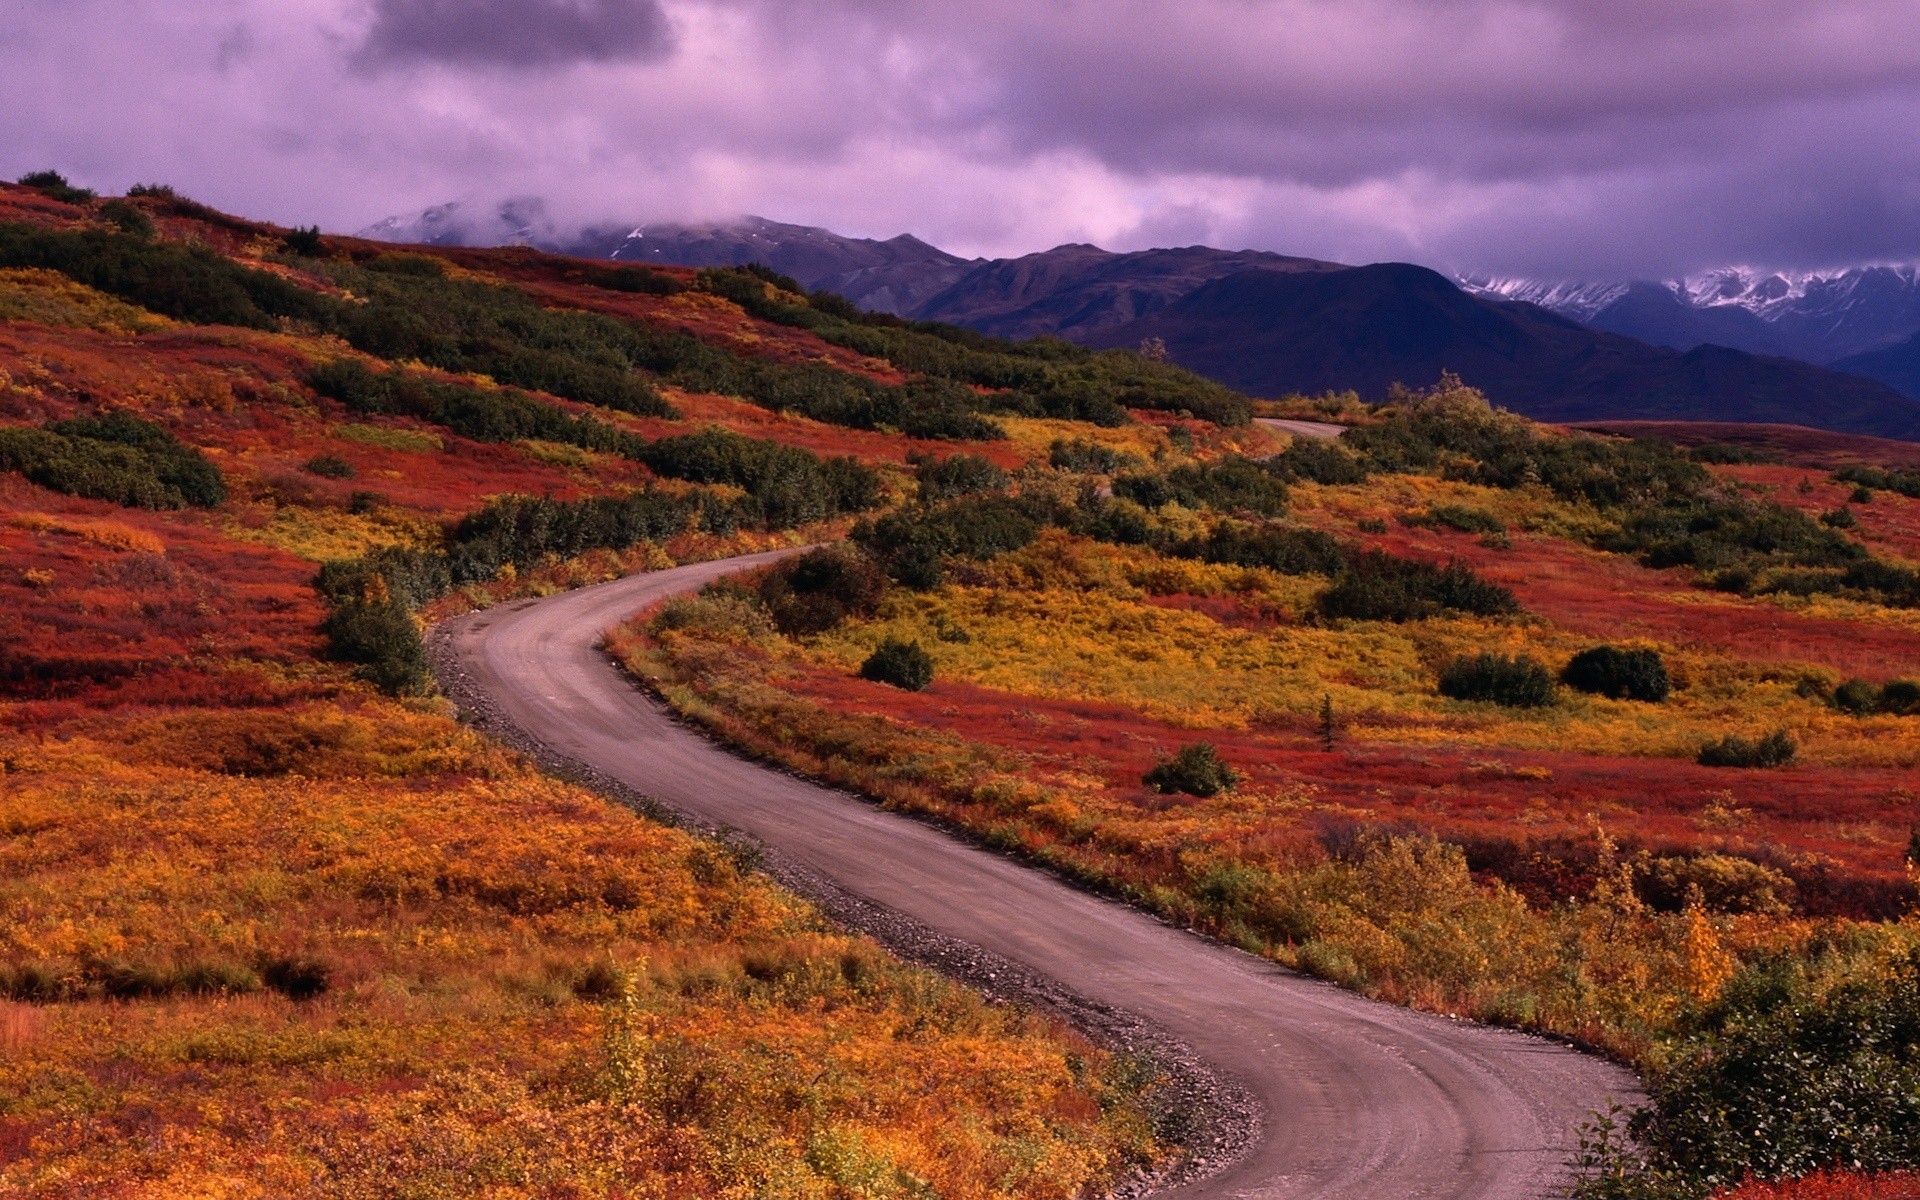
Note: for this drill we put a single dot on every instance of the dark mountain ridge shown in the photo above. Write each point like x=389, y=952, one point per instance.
x=1270, y=323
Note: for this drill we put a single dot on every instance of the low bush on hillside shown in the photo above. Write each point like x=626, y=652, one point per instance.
x=1787, y=1078
x=1195, y=770
x=1900, y=697
x=379, y=636
x=1619, y=674
x=127, y=218
x=1319, y=460
x=480, y=413
x=912, y=543
x=956, y=475
x=186, y=281
x=1228, y=485
x=1458, y=516
x=1517, y=682
x=1902, y=482
x=329, y=466
x=54, y=186
x=787, y=486
x=115, y=457
x=1728, y=454
x=1777, y=749
x=1088, y=458
x=899, y=664
x=1376, y=586
x=815, y=592
x=1288, y=549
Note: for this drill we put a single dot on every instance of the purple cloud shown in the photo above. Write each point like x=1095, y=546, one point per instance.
x=1587, y=136
x=515, y=33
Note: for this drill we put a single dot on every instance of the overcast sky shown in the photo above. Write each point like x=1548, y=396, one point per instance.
x=1585, y=137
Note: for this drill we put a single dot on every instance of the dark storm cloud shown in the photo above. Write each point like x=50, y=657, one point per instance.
x=515, y=33
x=1589, y=136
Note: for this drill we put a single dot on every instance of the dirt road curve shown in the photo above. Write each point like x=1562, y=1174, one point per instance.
x=1360, y=1101
x=1317, y=430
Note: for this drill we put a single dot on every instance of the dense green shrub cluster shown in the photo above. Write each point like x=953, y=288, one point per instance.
x=785, y=485
x=1288, y=549
x=956, y=475
x=1782, y=1081
x=900, y=664
x=329, y=466
x=1619, y=674
x=1376, y=586
x=820, y=589
x=1517, y=682
x=1458, y=516
x=1727, y=454
x=1451, y=429
x=1195, y=770
x=1319, y=460
x=1777, y=749
x=1088, y=458
x=379, y=637
x=189, y=282
x=910, y=544
x=114, y=457
x=1226, y=485
x=1901, y=697
x=1905, y=483
x=127, y=218
x=1709, y=534
x=54, y=186
x=415, y=311
x=483, y=414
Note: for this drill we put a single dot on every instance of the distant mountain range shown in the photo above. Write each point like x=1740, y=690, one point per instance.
x=1729, y=346
x=1829, y=318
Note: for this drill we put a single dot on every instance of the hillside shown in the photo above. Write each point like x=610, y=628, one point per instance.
x=1630, y=351
x=1366, y=328
x=1896, y=366
x=276, y=924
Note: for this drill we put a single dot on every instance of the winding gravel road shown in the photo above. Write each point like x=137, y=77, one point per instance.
x=1357, y=1100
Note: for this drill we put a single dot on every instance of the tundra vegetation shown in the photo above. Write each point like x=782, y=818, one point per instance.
x=275, y=924
x=1623, y=748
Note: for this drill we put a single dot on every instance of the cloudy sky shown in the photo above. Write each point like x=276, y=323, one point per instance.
x=1588, y=137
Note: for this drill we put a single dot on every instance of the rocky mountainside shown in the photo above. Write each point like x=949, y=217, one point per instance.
x=1820, y=317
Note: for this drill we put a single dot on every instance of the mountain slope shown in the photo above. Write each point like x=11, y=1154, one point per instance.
x=1270, y=332
x=1078, y=291
x=1896, y=366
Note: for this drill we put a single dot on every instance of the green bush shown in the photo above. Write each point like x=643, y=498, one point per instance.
x=482, y=414
x=1839, y=518
x=381, y=639
x=787, y=486
x=1900, y=697
x=1228, y=485
x=187, y=282
x=54, y=186
x=815, y=592
x=1319, y=460
x=1196, y=770
x=1087, y=458
x=1777, y=749
x=1518, y=682
x=1376, y=586
x=329, y=466
x=956, y=475
x=1287, y=549
x=910, y=544
x=1460, y=517
x=1725, y=453
x=900, y=664
x=127, y=218
x=1619, y=674
x=1856, y=696
x=114, y=457
x=1782, y=1082
x=304, y=242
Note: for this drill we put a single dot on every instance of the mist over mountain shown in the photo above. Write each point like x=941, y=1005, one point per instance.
x=1733, y=345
